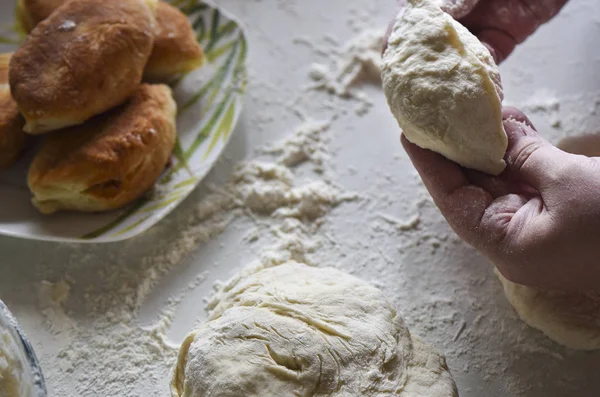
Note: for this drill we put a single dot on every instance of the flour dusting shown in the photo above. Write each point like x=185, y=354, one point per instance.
x=114, y=352
x=356, y=62
x=288, y=203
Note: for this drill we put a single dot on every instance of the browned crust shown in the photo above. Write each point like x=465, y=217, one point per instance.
x=4, y=61
x=109, y=161
x=35, y=11
x=12, y=137
x=86, y=58
x=176, y=49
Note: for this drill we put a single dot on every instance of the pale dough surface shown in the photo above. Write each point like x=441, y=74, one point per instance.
x=295, y=330
x=444, y=88
x=458, y=8
x=571, y=319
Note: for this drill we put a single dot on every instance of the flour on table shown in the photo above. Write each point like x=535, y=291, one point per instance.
x=542, y=103
x=356, y=62
x=113, y=353
x=51, y=298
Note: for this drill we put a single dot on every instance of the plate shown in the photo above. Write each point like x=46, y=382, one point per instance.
x=209, y=101
x=32, y=379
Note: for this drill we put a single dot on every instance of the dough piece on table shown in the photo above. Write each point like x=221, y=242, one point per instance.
x=295, y=330
x=109, y=161
x=444, y=88
x=571, y=319
x=86, y=58
x=176, y=49
x=12, y=137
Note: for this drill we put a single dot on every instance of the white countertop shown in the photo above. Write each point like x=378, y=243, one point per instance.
x=446, y=292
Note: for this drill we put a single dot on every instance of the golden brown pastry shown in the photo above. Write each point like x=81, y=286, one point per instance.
x=86, y=58
x=32, y=12
x=176, y=49
x=4, y=61
x=109, y=161
x=12, y=137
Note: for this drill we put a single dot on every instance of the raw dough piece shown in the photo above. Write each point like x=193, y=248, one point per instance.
x=12, y=137
x=295, y=330
x=86, y=58
x=571, y=319
x=444, y=88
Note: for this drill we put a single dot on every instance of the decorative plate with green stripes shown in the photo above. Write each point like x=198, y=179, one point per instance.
x=209, y=101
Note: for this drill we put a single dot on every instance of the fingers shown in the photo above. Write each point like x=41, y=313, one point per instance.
x=502, y=24
x=499, y=43
x=459, y=8
x=461, y=203
x=495, y=186
x=509, y=112
x=440, y=175
x=530, y=158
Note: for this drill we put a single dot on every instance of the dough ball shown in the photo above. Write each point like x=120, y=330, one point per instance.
x=295, y=330
x=444, y=88
x=571, y=319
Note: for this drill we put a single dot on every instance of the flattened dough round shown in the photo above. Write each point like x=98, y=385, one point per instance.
x=295, y=330
x=444, y=88
x=571, y=319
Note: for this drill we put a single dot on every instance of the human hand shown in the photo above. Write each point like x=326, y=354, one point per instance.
x=538, y=222
x=500, y=24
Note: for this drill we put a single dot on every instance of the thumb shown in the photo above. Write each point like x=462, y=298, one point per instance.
x=532, y=159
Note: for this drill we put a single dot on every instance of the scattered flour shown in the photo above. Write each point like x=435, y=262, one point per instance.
x=114, y=355
x=92, y=312
x=358, y=61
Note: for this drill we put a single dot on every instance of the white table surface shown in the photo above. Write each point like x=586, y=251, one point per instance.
x=428, y=273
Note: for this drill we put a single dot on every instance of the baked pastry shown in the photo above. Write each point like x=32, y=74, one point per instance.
x=12, y=137
x=176, y=49
x=32, y=12
x=110, y=160
x=86, y=58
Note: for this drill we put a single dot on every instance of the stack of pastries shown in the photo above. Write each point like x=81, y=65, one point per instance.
x=89, y=78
